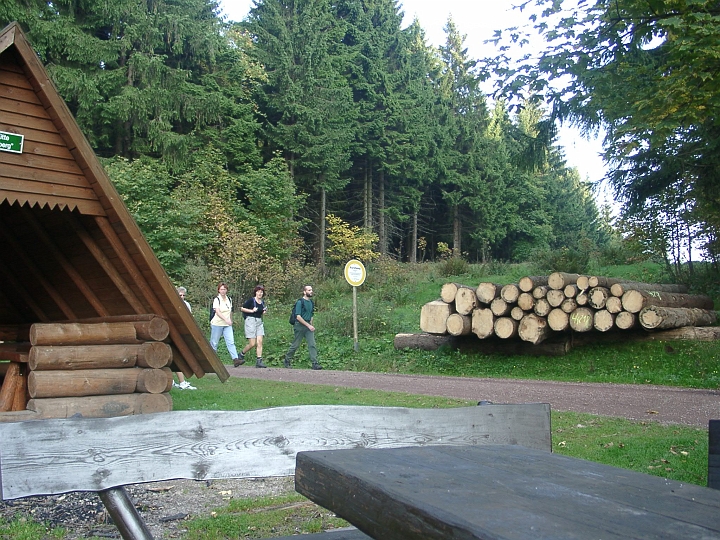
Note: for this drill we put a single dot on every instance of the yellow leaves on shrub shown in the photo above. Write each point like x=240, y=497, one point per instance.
x=349, y=242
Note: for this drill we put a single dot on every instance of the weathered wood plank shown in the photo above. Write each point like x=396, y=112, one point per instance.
x=56, y=456
x=714, y=454
x=501, y=492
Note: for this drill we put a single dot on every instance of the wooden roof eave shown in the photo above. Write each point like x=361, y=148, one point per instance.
x=161, y=294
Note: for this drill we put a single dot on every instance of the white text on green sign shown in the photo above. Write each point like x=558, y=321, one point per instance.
x=11, y=142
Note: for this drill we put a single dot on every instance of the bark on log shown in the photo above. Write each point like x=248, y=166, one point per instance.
x=635, y=300
x=619, y=287
x=597, y=297
x=569, y=305
x=487, y=292
x=156, y=329
x=555, y=297
x=526, y=302
x=583, y=283
x=483, y=323
x=87, y=382
x=603, y=320
x=581, y=320
x=600, y=281
x=663, y=318
x=614, y=305
x=150, y=355
x=14, y=332
x=625, y=320
x=510, y=293
x=534, y=329
x=500, y=307
x=540, y=292
x=542, y=307
x=9, y=387
x=517, y=313
x=423, y=342
x=558, y=320
x=153, y=381
x=82, y=334
x=528, y=283
x=434, y=316
x=465, y=300
x=506, y=327
x=101, y=406
x=459, y=325
x=558, y=280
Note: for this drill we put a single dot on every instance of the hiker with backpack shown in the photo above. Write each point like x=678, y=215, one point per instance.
x=253, y=310
x=302, y=315
x=221, y=323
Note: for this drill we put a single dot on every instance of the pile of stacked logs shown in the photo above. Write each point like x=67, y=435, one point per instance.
x=97, y=368
x=541, y=307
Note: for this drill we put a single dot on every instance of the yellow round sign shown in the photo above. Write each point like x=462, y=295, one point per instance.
x=355, y=273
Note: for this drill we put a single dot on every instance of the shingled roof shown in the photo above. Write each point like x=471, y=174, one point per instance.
x=69, y=248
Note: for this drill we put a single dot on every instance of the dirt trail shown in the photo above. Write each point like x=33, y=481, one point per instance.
x=668, y=405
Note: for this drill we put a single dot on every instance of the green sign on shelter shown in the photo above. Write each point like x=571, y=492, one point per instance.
x=11, y=142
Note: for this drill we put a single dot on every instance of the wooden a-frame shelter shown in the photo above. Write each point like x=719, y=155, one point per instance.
x=70, y=250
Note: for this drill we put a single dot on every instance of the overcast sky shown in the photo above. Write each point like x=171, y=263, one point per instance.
x=477, y=20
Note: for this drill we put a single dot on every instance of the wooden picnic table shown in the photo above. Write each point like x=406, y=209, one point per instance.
x=501, y=492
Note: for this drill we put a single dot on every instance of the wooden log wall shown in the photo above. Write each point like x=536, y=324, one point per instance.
x=540, y=307
x=101, y=368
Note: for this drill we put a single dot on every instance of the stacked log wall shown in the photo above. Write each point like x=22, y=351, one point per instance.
x=541, y=307
x=101, y=368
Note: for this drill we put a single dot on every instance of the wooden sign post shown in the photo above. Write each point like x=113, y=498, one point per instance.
x=355, y=276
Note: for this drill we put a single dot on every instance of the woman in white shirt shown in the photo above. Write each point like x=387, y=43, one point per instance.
x=221, y=323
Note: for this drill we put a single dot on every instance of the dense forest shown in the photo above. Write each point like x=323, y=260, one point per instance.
x=316, y=130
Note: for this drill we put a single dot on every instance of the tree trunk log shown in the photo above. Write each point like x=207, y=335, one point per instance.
x=492, y=345
x=558, y=280
x=86, y=382
x=150, y=355
x=569, y=305
x=449, y=291
x=82, y=334
x=424, y=342
x=459, y=325
x=510, y=293
x=582, y=299
x=558, y=320
x=542, y=307
x=534, y=329
x=487, y=292
x=583, y=283
x=600, y=281
x=483, y=323
x=154, y=381
x=581, y=320
x=555, y=297
x=614, y=305
x=625, y=320
x=528, y=283
x=540, y=292
x=434, y=316
x=506, y=327
x=499, y=307
x=517, y=313
x=571, y=291
x=597, y=297
x=101, y=406
x=11, y=381
x=603, y=321
x=635, y=300
x=465, y=300
x=619, y=287
x=663, y=318
x=156, y=329
x=526, y=302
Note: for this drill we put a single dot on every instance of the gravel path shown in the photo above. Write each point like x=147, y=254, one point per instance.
x=663, y=404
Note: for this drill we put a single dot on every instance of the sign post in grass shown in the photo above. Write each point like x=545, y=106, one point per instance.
x=355, y=276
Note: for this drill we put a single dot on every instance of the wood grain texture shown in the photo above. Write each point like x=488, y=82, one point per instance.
x=501, y=492
x=55, y=456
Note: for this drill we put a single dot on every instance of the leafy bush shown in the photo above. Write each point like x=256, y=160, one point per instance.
x=454, y=266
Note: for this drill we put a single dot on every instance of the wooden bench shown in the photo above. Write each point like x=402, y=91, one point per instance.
x=46, y=457
x=501, y=492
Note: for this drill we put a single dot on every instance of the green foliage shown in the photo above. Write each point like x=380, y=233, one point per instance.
x=454, y=266
x=349, y=242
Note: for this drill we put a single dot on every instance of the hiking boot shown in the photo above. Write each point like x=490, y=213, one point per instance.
x=259, y=363
x=286, y=363
x=186, y=386
x=239, y=361
x=316, y=366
